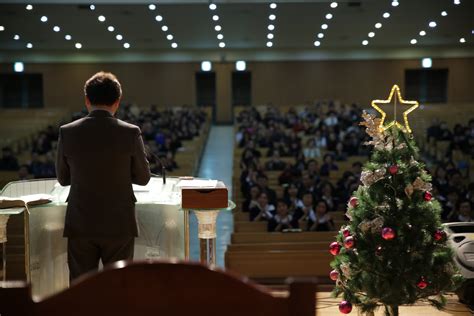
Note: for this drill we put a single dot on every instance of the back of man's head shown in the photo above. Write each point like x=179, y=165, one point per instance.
x=103, y=88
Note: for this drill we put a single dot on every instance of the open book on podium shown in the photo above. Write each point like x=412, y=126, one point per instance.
x=25, y=201
x=203, y=194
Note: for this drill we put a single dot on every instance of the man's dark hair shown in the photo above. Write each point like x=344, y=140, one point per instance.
x=103, y=88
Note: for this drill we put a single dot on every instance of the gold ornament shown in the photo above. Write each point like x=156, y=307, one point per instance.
x=374, y=225
x=409, y=190
x=368, y=177
x=421, y=185
x=413, y=105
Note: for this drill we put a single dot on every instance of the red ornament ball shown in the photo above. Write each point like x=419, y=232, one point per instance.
x=345, y=307
x=427, y=196
x=439, y=235
x=378, y=251
x=346, y=232
x=393, y=170
x=388, y=233
x=349, y=242
x=353, y=201
x=333, y=275
x=422, y=284
x=334, y=248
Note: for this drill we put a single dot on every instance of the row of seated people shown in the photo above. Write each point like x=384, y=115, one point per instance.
x=162, y=130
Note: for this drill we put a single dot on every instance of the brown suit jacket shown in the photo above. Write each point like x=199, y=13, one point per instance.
x=100, y=157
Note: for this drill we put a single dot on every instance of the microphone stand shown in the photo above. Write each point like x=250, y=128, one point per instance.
x=163, y=166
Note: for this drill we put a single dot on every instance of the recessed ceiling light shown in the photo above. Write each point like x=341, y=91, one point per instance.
x=462, y=40
x=386, y=15
x=111, y=28
x=371, y=34
x=56, y=28
x=169, y=37
x=67, y=37
x=220, y=36
x=29, y=7
x=78, y=45
x=215, y=17
x=174, y=45
x=159, y=18
x=18, y=66
x=206, y=66
x=119, y=37
x=2, y=28
x=426, y=62
x=365, y=42
x=324, y=26
x=328, y=16
x=221, y=44
x=432, y=24
x=272, y=17
x=456, y=2
x=92, y=7
x=317, y=43
x=29, y=45
x=333, y=5
x=126, y=45
x=444, y=13
x=271, y=27
x=413, y=41
x=101, y=18
x=217, y=28
x=152, y=7
x=320, y=35
x=44, y=19
x=240, y=65
x=164, y=28
x=378, y=25
x=16, y=37
x=269, y=44
x=270, y=35
x=422, y=33
x=212, y=6
x=395, y=3
x=273, y=5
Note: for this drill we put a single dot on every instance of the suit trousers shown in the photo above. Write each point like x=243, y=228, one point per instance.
x=84, y=254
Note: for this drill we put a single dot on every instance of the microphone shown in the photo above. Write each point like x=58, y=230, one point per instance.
x=163, y=166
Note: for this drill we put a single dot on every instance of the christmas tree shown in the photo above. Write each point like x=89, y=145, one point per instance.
x=393, y=251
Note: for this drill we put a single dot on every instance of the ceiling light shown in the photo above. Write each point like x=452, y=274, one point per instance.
x=56, y=28
x=456, y=2
x=378, y=25
x=16, y=37
x=444, y=13
x=413, y=41
x=317, y=43
x=386, y=15
x=220, y=36
x=29, y=7
x=273, y=5
x=18, y=66
x=152, y=7
x=422, y=33
x=206, y=66
x=217, y=28
x=395, y=3
x=92, y=7
x=169, y=37
x=78, y=45
x=426, y=63
x=119, y=37
x=320, y=35
x=111, y=28
x=2, y=28
x=462, y=40
x=126, y=45
x=272, y=17
x=159, y=18
x=324, y=26
x=164, y=28
x=328, y=16
x=101, y=18
x=67, y=37
x=44, y=19
x=371, y=34
x=215, y=17
x=432, y=24
x=269, y=44
x=174, y=45
x=240, y=65
x=221, y=44
x=212, y=6
x=270, y=36
x=333, y=5
x=29, y=45
x=271, y=27
x=365, y=42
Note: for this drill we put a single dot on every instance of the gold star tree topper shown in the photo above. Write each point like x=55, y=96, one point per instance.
x=397, y=100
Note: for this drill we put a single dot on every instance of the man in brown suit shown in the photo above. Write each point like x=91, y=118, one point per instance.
x=100, y=156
